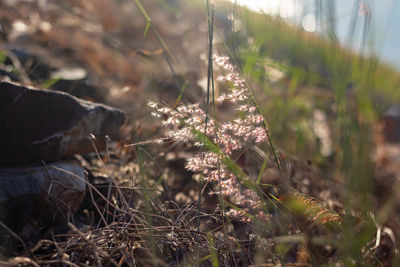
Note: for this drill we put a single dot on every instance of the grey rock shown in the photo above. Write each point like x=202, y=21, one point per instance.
x=47, y=125
x=391, y=124
x=33, y=66
x=46, y=193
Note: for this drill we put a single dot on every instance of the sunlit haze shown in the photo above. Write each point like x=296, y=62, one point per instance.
x=292, y=10
x=284, y=8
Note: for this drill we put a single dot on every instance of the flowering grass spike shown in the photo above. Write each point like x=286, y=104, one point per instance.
x=230, y=137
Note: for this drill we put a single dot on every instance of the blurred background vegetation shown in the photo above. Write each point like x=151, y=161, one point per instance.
x=326, y=72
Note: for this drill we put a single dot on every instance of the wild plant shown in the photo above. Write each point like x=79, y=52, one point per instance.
x=221, y=140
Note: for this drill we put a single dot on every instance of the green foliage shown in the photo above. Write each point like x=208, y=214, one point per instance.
x=3, y=57
x=50, y=82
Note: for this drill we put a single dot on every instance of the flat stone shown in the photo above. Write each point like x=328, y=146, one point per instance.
x=45, y=125
x=391, y=124
x=46, y=193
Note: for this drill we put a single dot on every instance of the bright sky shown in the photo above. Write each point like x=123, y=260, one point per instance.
x=287, y=9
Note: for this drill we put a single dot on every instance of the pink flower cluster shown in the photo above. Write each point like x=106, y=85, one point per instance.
x=230, y=137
